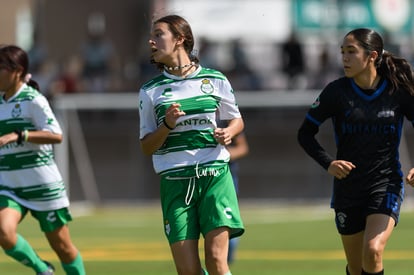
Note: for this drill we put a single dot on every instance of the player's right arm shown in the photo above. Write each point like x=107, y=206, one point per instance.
x=320, y=110
x=340, y=168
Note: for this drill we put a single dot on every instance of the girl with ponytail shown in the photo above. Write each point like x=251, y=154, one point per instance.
x=29, y=178
x=367, y=107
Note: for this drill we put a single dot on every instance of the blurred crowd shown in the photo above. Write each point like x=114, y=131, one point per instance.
x=95, y=67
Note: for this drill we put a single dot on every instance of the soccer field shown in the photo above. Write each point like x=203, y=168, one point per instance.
x=281, y=238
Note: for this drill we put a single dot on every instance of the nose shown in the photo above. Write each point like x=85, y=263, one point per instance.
x=151, y=42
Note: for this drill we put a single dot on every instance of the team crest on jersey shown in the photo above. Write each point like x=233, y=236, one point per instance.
x=316, y=103
x=17, y=110
x=206, y=86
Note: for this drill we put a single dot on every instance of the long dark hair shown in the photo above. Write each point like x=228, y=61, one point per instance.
x=396, y=69
x=13, y=58
x=179, y=27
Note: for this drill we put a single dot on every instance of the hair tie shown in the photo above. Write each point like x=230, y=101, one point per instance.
x=27, y=78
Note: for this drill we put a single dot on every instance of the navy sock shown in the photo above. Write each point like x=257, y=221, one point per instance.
x=378, y=273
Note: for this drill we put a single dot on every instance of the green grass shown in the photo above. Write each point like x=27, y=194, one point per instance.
x=291, y=240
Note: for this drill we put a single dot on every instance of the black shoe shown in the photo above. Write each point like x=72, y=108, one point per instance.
x=50, y=269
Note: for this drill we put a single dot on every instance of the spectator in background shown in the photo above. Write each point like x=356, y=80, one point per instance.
x=326, y=71
x=43, y=69
x=207, y=53
x=238, y=149
x=240, y=74
x=293, y=64
x=97, y=55
x=69, y=80
x=37, y=53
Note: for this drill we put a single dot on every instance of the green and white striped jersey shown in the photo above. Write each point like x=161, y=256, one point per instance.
x=206, y=97
x=28, y=172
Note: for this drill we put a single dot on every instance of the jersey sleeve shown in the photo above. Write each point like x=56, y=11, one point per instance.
x=323, y=107
x=43, y=117
x=228, y=108
x=320, y=110
x=407, y=104
x=147, y=121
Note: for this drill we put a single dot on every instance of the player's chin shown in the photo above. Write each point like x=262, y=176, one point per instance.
x=348, y=73
x=158, y=58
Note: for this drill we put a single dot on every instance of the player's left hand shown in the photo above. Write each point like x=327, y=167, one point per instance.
x=222, y=136
x=409, y=179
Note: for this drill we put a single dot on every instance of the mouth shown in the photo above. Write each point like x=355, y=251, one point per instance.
x=153, y=51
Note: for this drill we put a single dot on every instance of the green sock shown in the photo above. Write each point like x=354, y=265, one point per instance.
x=205, y=271
x=76, y=267
x=228, y=273
x=24, y=253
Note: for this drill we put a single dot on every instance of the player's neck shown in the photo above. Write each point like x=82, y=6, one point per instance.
x=181, y=70
x=12, y=91
x=368, y=82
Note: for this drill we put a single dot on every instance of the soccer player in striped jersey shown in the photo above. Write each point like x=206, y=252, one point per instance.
x=367, y=107
x=29, y=178
x=179, y=110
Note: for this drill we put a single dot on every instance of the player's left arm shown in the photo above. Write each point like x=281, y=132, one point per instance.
x=407, y=104
x=225, y=135
x=47, y=129
x=409, y=179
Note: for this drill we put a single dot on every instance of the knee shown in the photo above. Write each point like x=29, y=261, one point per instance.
x=373, y=253
x=66, y=252
x=216, y=262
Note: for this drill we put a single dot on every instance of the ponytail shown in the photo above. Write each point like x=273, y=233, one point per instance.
x=397, y=70
x=30, y=82
x=33, y=84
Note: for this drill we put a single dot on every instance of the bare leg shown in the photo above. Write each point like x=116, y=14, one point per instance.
x=186, y=257
x=378, y=230
x=9, y=219
x=61, y=243
x=216, y=249
x=353, y=251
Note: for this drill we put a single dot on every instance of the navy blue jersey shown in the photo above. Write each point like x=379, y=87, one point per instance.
x=367, y=127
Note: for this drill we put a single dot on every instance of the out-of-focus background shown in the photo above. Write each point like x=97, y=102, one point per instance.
x=91, y=56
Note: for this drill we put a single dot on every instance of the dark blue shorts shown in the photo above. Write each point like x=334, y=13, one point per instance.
x=353, y=219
